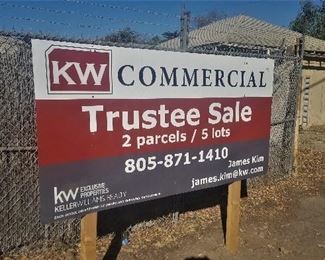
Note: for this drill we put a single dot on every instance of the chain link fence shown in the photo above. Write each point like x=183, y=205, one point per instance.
x=19, y=188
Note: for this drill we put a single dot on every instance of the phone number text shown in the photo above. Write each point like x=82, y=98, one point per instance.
x=173, y=160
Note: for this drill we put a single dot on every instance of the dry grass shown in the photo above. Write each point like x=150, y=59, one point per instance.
x=267, y=200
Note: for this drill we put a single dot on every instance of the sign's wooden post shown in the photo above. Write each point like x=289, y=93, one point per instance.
x=296, y=131
x=88, y=236
x=233, y=216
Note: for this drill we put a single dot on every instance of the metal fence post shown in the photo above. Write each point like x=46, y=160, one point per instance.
x=184, y=40
x=184, y=31
x=300, y=54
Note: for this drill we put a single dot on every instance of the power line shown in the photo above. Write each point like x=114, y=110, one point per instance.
x=28, y=19
x=66, y=12
x=56, y=23
x=125, y=8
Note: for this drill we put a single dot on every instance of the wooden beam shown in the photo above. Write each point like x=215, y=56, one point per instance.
x=88, y=236
x=233, y=216
x=296, y=128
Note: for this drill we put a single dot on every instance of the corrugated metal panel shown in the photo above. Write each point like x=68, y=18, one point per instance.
x=245, y=30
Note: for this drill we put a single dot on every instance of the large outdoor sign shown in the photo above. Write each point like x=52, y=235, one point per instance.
x=118, y=126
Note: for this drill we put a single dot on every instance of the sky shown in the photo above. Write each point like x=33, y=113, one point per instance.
x=91, y=19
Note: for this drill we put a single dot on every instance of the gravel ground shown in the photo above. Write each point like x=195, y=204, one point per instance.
x=281, y=219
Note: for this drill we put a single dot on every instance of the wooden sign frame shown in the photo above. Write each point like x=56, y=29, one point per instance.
x=88, y=230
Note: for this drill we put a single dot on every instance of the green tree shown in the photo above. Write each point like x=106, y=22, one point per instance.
x=197, y=22
x=211, y=17
x=170, y=35
x=310, y=20
x=125, y=35
x=154, y=40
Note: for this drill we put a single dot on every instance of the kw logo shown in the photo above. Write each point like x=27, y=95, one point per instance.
x=83, y=76
x=62, y=196
x=78, y=70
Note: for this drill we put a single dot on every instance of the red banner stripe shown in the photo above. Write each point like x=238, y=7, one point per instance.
x=64, y=130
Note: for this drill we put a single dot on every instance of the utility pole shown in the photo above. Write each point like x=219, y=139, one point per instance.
x=185, y=28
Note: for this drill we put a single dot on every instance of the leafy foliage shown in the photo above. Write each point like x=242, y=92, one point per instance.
x=127, y=35
x=170, y=35
x=310, y=20
x=203, y=20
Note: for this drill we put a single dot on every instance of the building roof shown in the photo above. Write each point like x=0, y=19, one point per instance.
x=243, y=30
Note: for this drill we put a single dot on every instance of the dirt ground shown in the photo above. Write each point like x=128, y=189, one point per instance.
x=281, y=219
